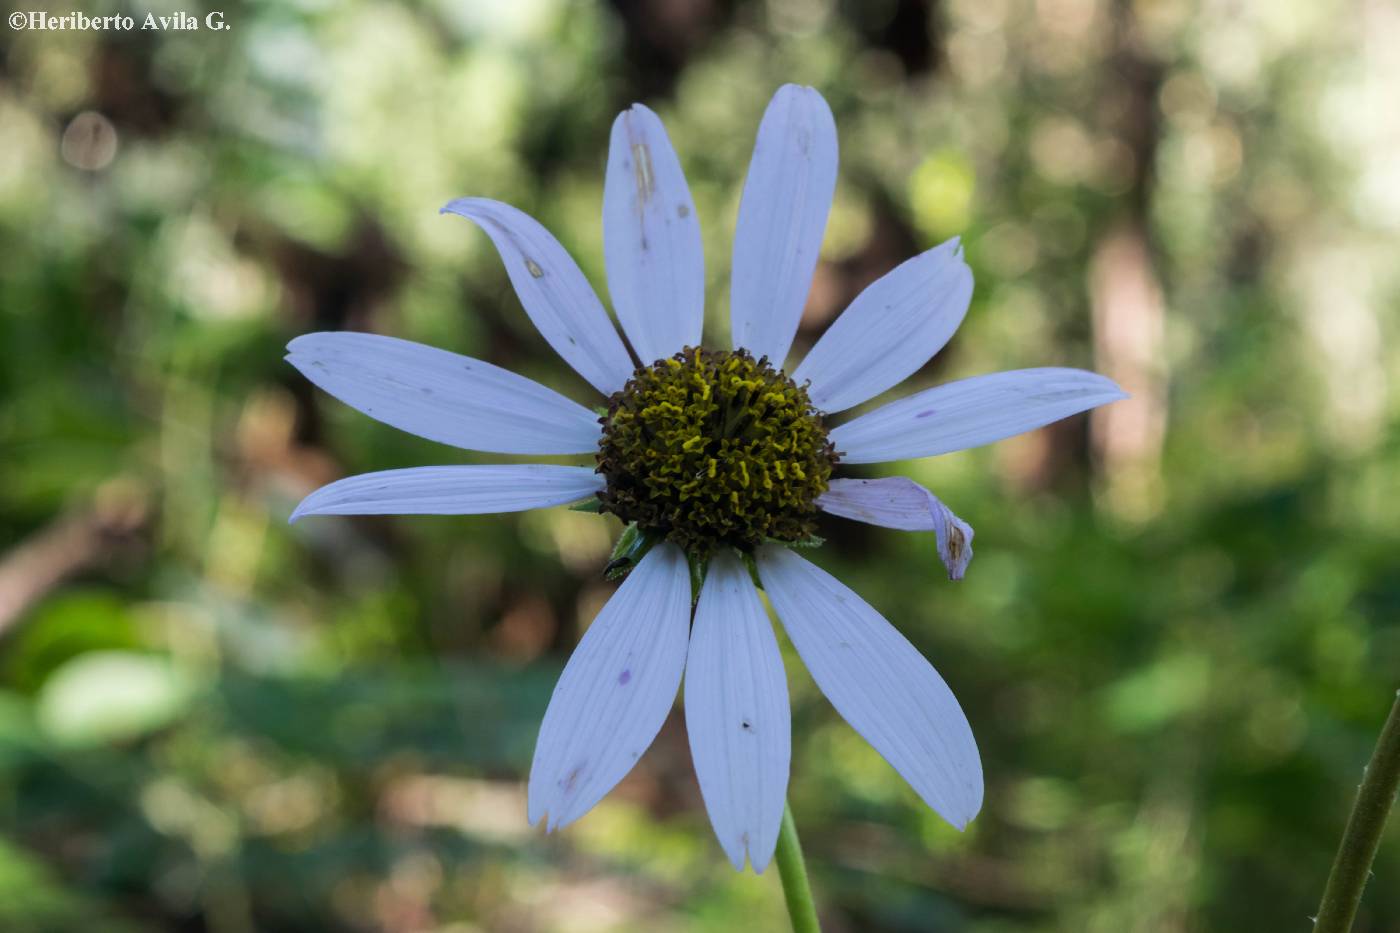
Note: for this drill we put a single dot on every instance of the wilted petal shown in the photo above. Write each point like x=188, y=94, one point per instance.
x=879, y=682
x=892, y=328
x=897, y=502
x=782, y=216
x=615, y=691
x=452, y=490
x=736, y=711
x=553, y=291
x=971, y=412
x=444, y=396
x=651, y=239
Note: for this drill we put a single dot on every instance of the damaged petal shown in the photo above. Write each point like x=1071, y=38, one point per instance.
x=641, y=165
x=954, y=541
x=898, y=502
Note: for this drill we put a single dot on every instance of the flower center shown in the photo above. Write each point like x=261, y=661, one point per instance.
x=712, y=447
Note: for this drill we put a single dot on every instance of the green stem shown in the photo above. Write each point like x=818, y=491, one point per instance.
x=792, y=869
x=1362, y=837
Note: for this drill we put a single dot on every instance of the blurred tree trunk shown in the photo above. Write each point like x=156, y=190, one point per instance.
x=1125, y=294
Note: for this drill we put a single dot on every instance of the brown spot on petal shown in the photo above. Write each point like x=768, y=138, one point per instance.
x=641, y=167
x=534, y=268
x=956, y=542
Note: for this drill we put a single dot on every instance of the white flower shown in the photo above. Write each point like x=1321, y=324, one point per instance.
x=621, y=681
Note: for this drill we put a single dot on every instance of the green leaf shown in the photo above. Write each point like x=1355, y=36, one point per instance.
x=109, y=696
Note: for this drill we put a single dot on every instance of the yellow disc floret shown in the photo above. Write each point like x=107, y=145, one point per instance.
x=713, y=447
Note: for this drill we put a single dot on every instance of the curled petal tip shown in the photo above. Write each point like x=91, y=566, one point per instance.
x=460, y=206
x=1112, y=385
x=302, y=510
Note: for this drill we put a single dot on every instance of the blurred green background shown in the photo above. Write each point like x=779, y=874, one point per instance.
x=1176, y=643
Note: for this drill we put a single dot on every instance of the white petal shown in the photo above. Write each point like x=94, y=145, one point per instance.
x=971, y=412
x=651, y=239
x=736, y=712
x=551, y=287
x=615, y=691
x=892, y=328
x=782, y=216
x=897, y=502
x=444, y=396
x=879, y=682
x=452, y=490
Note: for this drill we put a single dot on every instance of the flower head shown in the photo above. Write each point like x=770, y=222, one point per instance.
x=712, y=448
x=715, y=457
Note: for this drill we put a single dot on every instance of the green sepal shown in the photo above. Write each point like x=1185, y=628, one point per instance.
x=632, y=545
x=752, y=564
x=699, y=568
x=594, y=505
x=807, y=543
